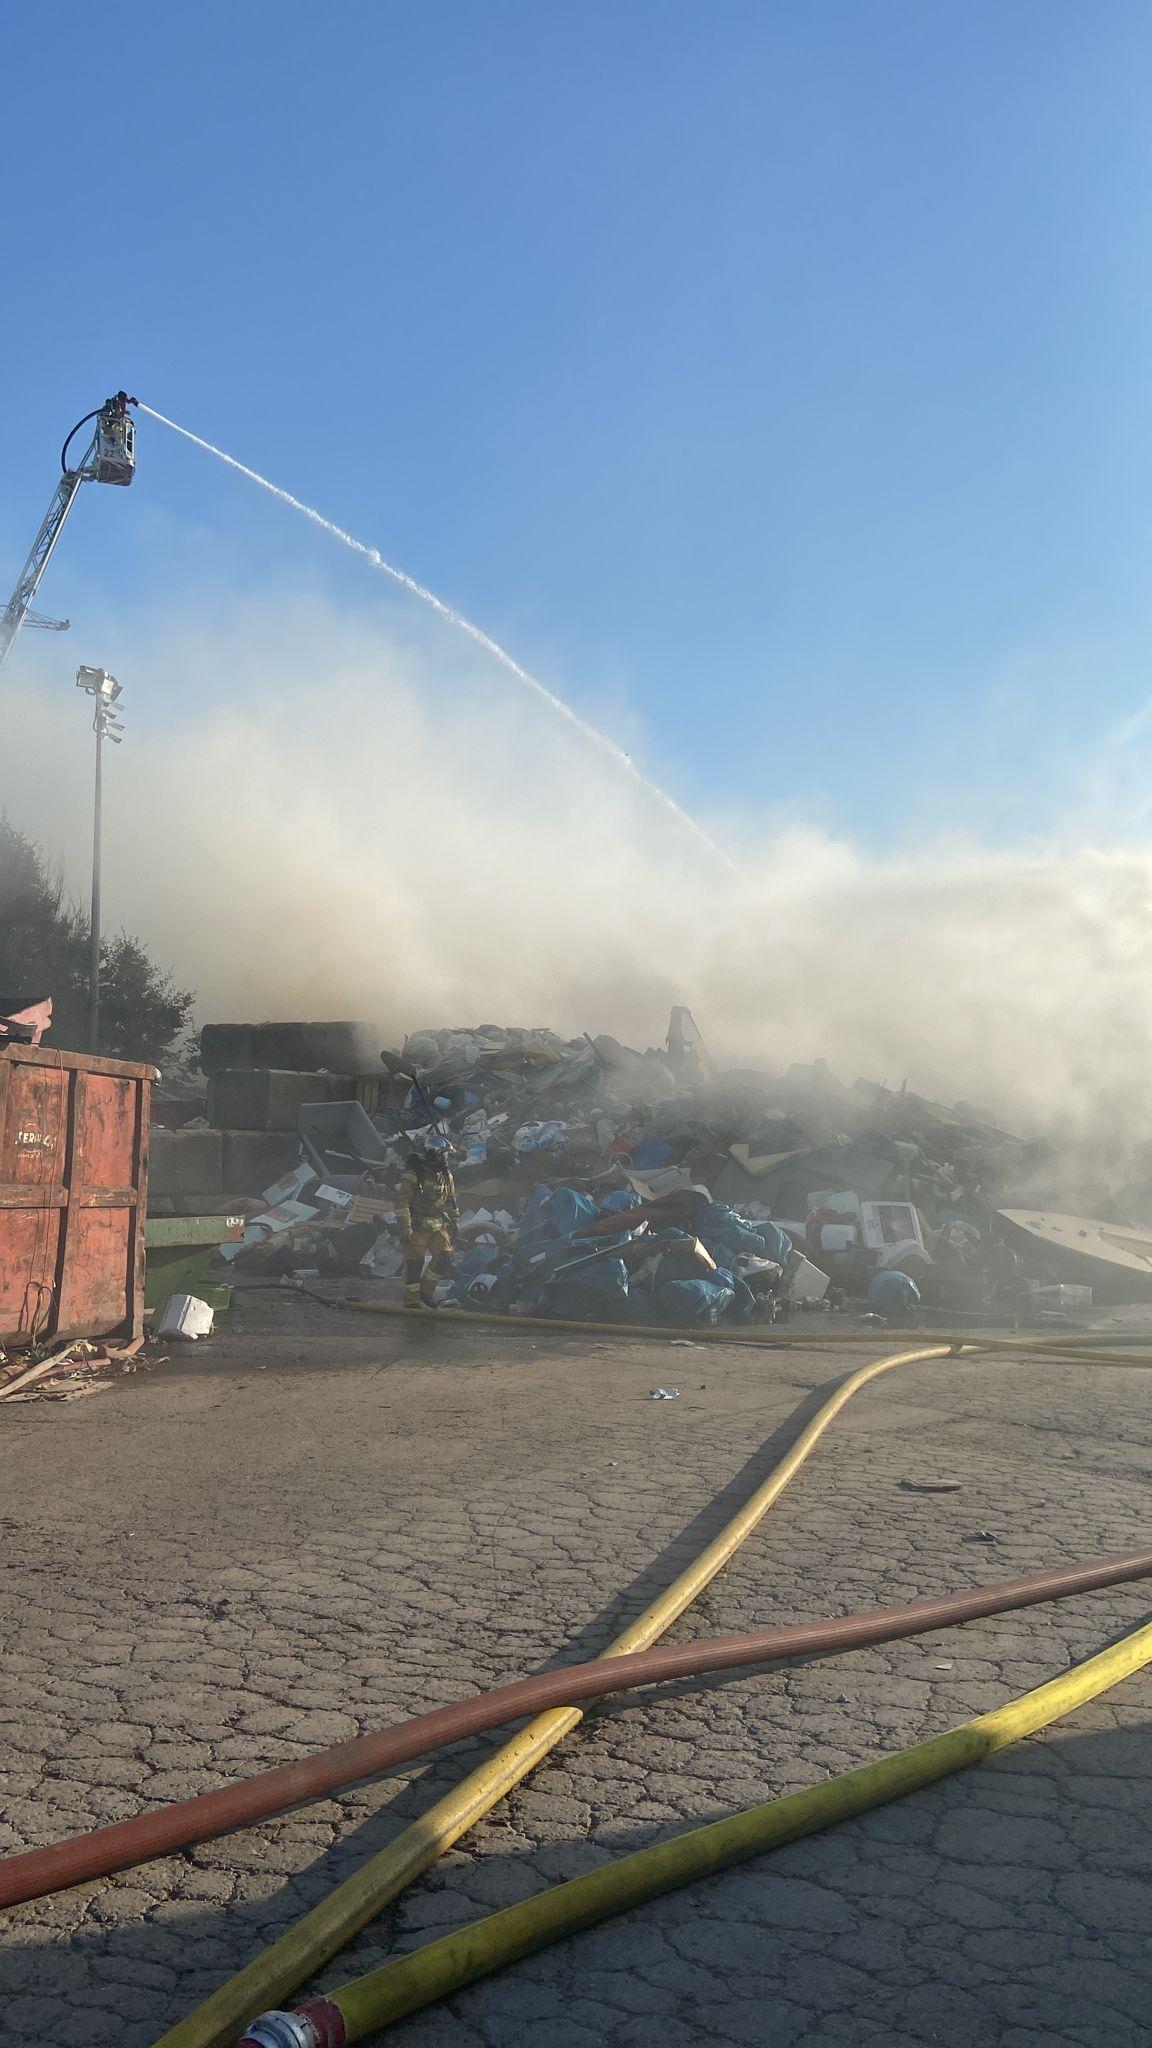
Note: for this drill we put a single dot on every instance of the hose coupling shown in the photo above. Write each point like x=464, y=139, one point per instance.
x=315, y=2024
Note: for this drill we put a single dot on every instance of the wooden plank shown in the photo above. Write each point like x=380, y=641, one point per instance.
x=17, y=1196
x=33, y=1372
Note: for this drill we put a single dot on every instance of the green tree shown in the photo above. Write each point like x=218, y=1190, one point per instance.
x=44, y=952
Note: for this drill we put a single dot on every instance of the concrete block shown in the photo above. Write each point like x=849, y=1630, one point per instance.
x=185, y=1162
x=174, y=1111
x=341, y=1047
x=226, y=1045
x=254, y=1159
x=280, y=1045
x=265, y=1100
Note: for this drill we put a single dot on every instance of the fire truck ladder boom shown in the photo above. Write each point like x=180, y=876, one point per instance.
x=110, y=458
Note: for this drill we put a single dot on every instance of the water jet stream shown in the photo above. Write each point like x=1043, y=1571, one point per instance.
x=587, y=732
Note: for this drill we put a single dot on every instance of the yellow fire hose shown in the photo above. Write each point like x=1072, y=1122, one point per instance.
x=1079, y=1344
x=321, y=1933
x=444, y=1966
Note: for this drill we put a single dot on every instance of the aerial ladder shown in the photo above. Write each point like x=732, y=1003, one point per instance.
x=110, y=458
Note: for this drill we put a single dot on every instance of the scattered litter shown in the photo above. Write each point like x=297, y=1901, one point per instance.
x=943, y=1667
x=932, y=1485
x=19, y=1377
x=384, y=1258
x=282, y=1216
x=71, y=1371
x=184, y=1315
x=664, y=1394
x=980, y=1536
x=290, y=1187
x=540, y=1137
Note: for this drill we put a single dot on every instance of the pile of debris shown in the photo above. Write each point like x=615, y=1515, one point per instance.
x=600, y=1182
x=68, y=1372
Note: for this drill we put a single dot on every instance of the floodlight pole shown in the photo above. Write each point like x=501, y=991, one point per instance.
x=94, y=927
x=104, y=690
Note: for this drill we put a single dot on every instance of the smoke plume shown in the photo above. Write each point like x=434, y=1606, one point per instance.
x=313, y=817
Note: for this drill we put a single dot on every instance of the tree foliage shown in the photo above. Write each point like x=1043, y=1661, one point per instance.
x=44, y=941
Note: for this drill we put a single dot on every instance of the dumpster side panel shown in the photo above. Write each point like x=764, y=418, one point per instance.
x=29, y=1258
x=95, y=1291
x=35, y=1126
x=73, y=1185
x=104, y=1129
x=97, y=1283
x=33, y=1160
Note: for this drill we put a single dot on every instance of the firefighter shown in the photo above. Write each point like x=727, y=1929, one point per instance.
x=427, y=1213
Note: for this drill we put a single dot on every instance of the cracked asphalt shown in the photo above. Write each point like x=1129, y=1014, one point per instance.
x=317, y=1524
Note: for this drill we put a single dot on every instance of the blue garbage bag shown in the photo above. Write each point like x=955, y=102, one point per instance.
x=566, y=1212
x=534, y=1212
x=744, y=1301
x=467, y=1267
x=694, y=1301
x=528, y=1265
x=716, y=1224
x=598, y=1294
x=479, y=1258
x=618, y=1201
x=892, y=1291
x=649, y=1153
x=535, y=1259
x=777, y=1243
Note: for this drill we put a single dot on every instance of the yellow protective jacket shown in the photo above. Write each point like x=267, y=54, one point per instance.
x=426, y=1196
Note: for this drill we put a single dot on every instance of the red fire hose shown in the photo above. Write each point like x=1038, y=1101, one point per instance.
x=37, y=1871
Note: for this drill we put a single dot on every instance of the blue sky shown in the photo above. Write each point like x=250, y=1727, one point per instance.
x=773, y=380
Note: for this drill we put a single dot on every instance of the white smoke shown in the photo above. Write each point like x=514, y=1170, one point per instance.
x=310, y=817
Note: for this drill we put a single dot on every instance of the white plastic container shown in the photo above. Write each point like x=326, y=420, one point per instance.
x=807, y=1282
x=184, y=1315
x=838, y=1237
